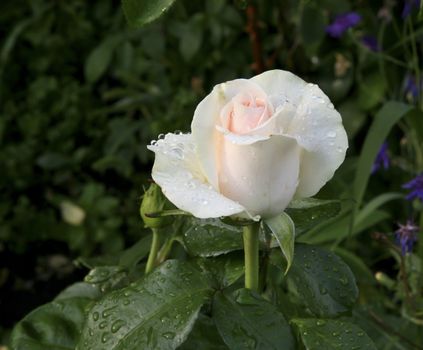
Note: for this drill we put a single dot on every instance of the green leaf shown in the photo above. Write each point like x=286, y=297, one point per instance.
x=134, y=254
x=141, y=12
x=362, y=273
x=385, y=119
x=204, y=336
x=191, y=37
x=223, y=270
x=388, y=331
x=80, y=290
x=156, y=312
x=53, y=326
x=376, y=217
x=211, y=237
x=371, y=90
x=283, y=230
x=250, y=322
x=324, y=283
x=337, y=230
x=52, y=161
x=352, y=117
x=107, y=278
x=318, y=334
x=100, y=58
x=307, y=213
x=373, y=205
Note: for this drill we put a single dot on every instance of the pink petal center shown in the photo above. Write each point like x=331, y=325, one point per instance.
x=244, y=113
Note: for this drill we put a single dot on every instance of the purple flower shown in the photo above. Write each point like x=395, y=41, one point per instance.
x=342, y=23
x=408, y=6
x=411, y=88
x=416, y=188
x=382, y=158
x=406, y=236
x=371, y=43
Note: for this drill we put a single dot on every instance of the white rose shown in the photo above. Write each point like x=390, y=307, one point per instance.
x=255, y=145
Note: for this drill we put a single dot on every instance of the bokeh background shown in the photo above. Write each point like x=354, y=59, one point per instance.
x=82, y=94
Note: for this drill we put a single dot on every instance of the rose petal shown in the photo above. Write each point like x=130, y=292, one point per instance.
x=207, y=117
x=245, y=139
x=176, y=170
x=262, y=176
x=316, y=125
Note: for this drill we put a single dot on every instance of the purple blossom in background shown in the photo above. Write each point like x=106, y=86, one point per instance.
x=408, y=6
x=371, y=43
x=416, y=188
x=406, y=236
x=342, y=23
x=411, y=89
x=382, y=158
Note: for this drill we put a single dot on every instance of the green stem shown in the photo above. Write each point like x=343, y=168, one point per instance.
x=164, y=252
x=155, y=245
x=251, y=255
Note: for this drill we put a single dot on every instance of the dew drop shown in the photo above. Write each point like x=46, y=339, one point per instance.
x=331, y=134
x=117, y=325
x=96, y=316
x=343, y=280
x=107, y=312
x=105, y=337
x=323, y=290
x=169, y=335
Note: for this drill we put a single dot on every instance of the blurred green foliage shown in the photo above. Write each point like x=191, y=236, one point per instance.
x=82, y=94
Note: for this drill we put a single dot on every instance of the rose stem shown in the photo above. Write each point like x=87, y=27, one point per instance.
x=155, y=245
x=251, y=255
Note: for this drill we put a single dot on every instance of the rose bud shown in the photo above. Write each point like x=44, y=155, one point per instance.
x=152, y=204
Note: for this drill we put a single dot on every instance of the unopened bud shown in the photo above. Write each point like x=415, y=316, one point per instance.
x=153, y=203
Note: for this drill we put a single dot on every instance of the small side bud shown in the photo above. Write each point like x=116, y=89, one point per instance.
x=153, y=202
